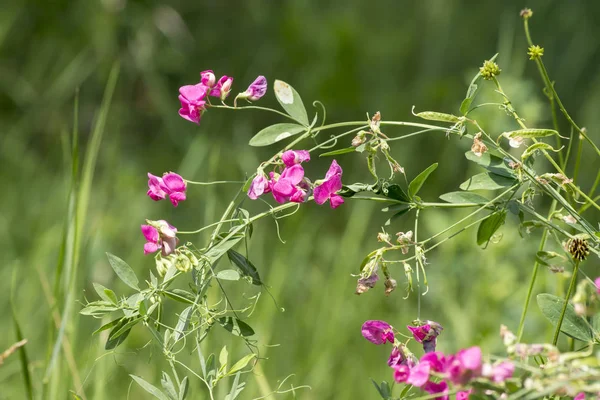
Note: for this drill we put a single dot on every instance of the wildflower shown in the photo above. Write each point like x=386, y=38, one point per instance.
x=503, y=371
x=464, y=366
x=419, y=375
x=401, y=355
x=222, y=88
x=478, y=147
x=401, y=373
x=170, y=184
x=159, y=235
x=597, y=283
x=292, y=157
x=535, y=52
x=327, y=189
x=426, y=334
x=489, y=70
x=256, y=90
x=579, y=248
x=208, y=79
x=259, y=185
x=580, y=396
x=439, y=387
x=377, y=332
x=285, y=186
x=526, y=13
x=192, y=101
x=463, y=395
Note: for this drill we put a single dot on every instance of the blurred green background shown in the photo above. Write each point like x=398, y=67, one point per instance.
x=355, y=57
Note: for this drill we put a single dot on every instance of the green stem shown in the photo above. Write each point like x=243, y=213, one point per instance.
x=567, y=297
x=418, y=261
x=226, y=107
x=212, y=183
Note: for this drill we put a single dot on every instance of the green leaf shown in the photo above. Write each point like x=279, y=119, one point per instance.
x=123, y=271
x=487, y=181
x=384, y=389
x=222, y=247
x=223, y=355
x=183, y=388
x=489, y=226
x=105, y=293
x=228, y=275
x=416, y=184
x=182, y=323
x=399, y=209
x=492, y=163
x=241, y=364
x=393, y=191
x=338, y=152
x=115, y=340
x=153, y=390
x=247, y=268
x=290, y=101
x=98, y=308
x=573, y=325
x=275, y=133
x=543, y=257
x=236, y=326
x=167, y=384
x=463, y=197
x=181, y=296
x=107, y=326
x=236, y=388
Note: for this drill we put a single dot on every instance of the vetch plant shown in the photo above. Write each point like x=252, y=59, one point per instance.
x=512, y=178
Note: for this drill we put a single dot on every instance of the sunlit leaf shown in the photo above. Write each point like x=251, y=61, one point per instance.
x=240, y=364
x=123, y=271
x=228, y=275
x=182, y=322
x=236, y=326
x=290, y=101
x=463, y=197
x=573, y=325
x=153, y=390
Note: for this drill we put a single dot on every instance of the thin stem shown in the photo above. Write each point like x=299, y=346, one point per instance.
x=393, y=123
x=333, y=139
x=226, y=107
x=207, y=227
x=587, y=205
x=567, y=297
x=417, y=266
x=212, y=183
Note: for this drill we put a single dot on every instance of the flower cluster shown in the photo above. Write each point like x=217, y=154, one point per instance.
x=195, y=98
x=171, y=184
x=292, y=185
x=435, y=371
x=160, y=235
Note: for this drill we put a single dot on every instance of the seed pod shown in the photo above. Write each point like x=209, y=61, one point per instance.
x=531, y=133
x=436, y=116
x=579, y=248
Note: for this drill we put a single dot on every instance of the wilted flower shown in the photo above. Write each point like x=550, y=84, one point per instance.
x=291, y=157
x=192, y=101
x=404, y=239
x=384, y=237
x=390, y=284
x=259, y=185
x=426, y=333
x=516, y=141
x=376, y=122
x=478, y=147
x=368, y=277
x=378, y=332
x=359, y=139
x=159, y=235
x=327, y=189
x=256, y=90
x=171, y=184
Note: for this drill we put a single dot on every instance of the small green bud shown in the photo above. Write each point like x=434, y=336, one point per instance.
x=489, y=70
x=526, y=13
x=535, y=52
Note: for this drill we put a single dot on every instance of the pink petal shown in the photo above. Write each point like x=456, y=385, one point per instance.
x=150, y=233
x=184, y=113
x=293, y=174
x=168, y=245
x=336, y=200
x=207, y=78
x=334, y=169
x=174, y=182
x=292, y=157
x=419, y=375
x=320, y=194
x=150, y=247
x=401, y=373
x=176, y=197
x=470, y=358
x=193, y=93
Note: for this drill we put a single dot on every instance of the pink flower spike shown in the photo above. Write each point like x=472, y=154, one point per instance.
x=259, y=185
x=419, y=375
x=597, y=283
x=503, y=371
x=292, y=157
x=156, y=188
x=328, y=188
x=256, y=90
x=377, y=332
x=192, y=101
x=207, y=78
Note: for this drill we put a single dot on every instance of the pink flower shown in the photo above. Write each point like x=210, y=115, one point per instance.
x=256, y=90
x=464, y=366
x=222, y=88
x=285, y=187
x=259, y=185
x=330, y=185
x=419, y=374
x=292, y=157
x=401, y=373
x=464, y=395
x=437, y=360
x=171, y=184
x=597, y=283
x=192, y=101
x=426, y=334
x=401, y=355
x=503, y=371
x=580, y=396
x=377, y=332
x=159, y=235
x=439, y=387
x=207, y=78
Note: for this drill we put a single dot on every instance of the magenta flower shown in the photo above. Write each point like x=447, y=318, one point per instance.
x=401, y=373
x=419, y=374
x=426, y=334
x=285, y=186
x=436, y=360
x=171, y=184
x=597, y=283
x=207, y=78
x=259, y=185
x=192, y=101
x=327, y=189
x=222, y=88
x=159, y=235
x=256, y=90
x=580, y=396
x=463, y=395
x=292, y=157
x=464, y=366
x=503, y=371
x=401, y=355
x=435, y=388
x=377, y=332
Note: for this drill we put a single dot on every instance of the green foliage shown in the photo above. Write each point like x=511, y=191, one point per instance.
x=573, y=325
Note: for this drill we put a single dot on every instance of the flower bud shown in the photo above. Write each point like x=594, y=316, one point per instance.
x=535, y=52
x=207, y=78
x=226, y=87
x=489, y=70
x=526, y=13
x=162, y=266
